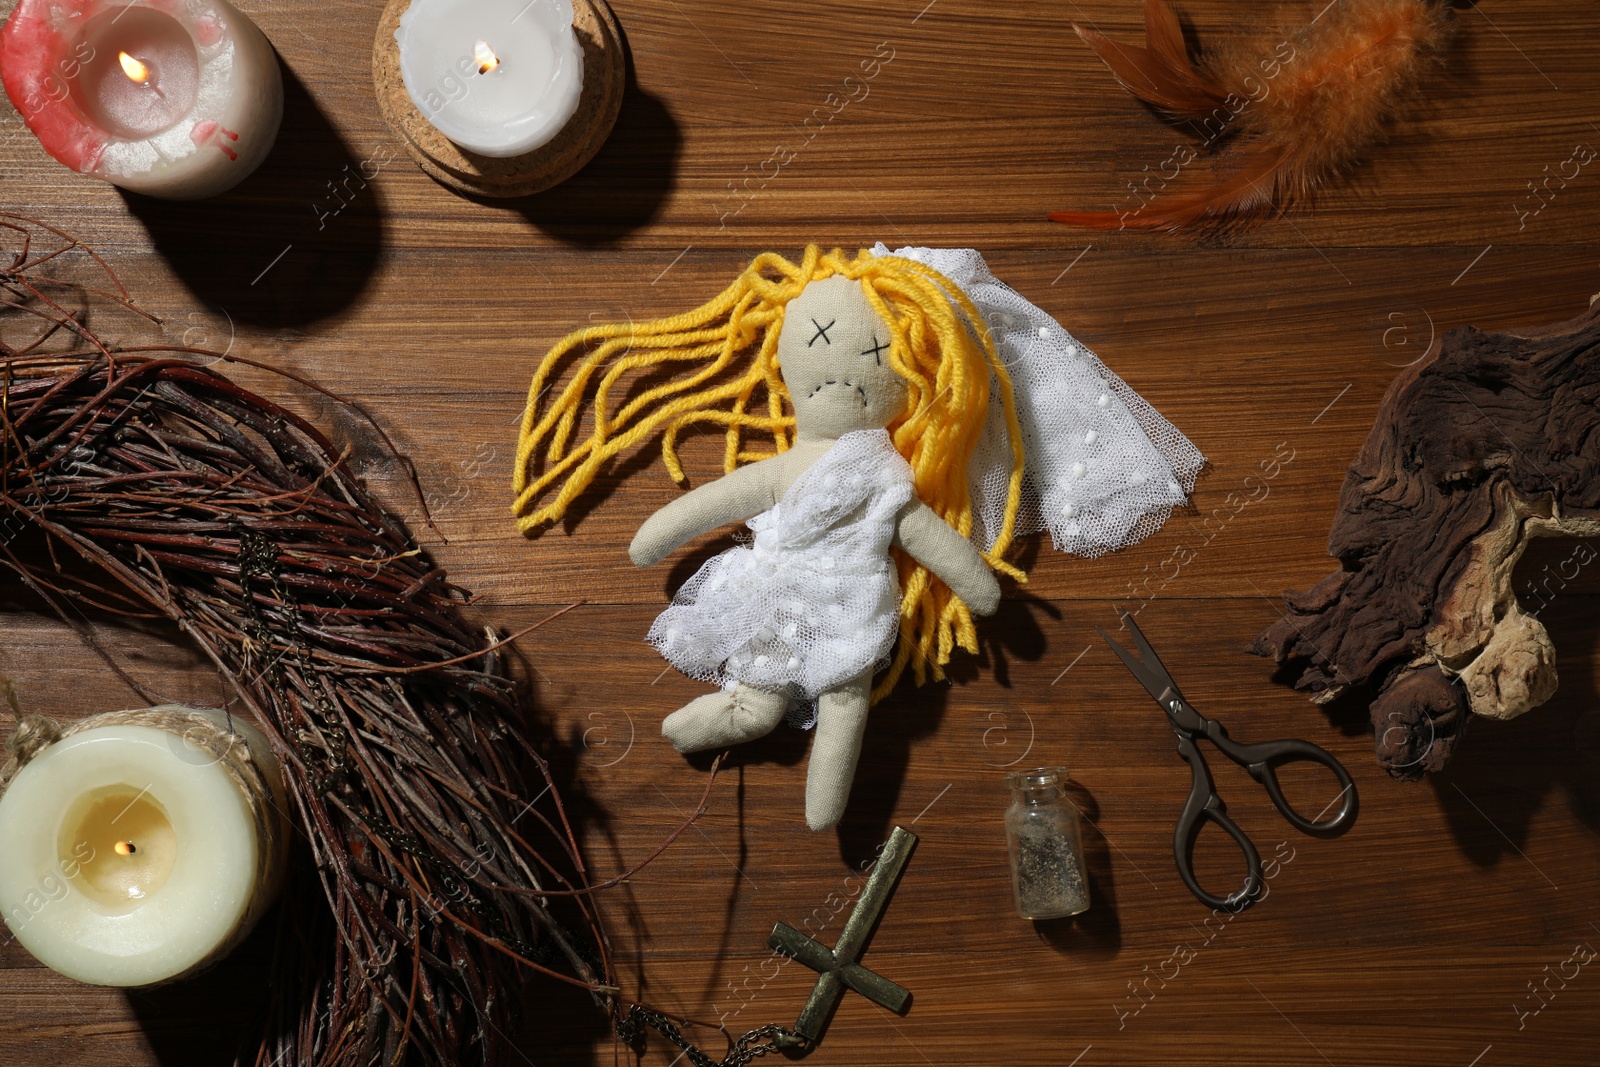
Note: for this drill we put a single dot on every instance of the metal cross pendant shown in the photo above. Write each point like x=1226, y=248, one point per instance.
x=838, y=965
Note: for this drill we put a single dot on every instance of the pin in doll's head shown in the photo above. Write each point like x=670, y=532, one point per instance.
x=833, y=353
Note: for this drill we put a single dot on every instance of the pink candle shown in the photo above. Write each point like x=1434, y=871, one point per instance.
x=174, y=98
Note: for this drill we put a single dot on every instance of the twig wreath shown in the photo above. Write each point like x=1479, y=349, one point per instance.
x=156, y=487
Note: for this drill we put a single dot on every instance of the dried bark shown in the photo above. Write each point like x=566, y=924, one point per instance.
x=1488, y=441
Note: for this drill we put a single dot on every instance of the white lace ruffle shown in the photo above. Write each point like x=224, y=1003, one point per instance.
x=1103, y=469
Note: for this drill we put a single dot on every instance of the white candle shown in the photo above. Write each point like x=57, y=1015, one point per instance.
x=179, y=99
x=497, y=77
x=131, y=856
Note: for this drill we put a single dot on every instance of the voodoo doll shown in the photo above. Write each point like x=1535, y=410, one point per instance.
x=920, y=415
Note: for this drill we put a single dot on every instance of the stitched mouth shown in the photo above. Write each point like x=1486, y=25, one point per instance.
x=842, y=383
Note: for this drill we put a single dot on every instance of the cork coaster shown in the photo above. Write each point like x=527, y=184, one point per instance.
x=605, y=68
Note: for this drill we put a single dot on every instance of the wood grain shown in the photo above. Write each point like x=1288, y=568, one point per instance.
x=1411, y=940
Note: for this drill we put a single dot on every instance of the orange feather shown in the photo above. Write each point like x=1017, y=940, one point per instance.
x=1160, y=75
x=1242, y=193
x=1295, y=108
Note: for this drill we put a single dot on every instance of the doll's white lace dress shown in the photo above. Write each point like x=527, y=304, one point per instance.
x=813, y=599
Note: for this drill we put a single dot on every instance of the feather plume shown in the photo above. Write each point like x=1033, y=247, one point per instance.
x=1288, y=112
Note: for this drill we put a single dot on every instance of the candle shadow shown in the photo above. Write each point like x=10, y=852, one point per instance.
x=204, y=1021
x=623, y=187
x=295, y=242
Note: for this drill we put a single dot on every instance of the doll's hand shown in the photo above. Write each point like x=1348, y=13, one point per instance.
x=935, y=544
x=984, y=596
x=647, y=549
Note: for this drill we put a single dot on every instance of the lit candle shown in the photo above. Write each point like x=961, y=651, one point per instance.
x=140, y=846
x=497, y=77
x=174, y=98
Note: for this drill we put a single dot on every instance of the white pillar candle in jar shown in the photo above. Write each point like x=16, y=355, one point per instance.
x=179, y=99
x=141, y=846
x=497, y=77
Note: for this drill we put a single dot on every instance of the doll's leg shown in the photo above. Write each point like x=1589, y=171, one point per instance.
x=730, y=717
x=841, y=722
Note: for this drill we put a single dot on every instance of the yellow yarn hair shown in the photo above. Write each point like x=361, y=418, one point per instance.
x=721, y=361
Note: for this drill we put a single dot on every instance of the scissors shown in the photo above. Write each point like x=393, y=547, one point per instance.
x=1261, y=760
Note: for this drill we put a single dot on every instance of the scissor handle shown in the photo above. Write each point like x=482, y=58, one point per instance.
x=1202, y=806
x=1263, y=759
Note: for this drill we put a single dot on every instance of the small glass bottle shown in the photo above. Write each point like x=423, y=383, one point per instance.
x=1046, y=852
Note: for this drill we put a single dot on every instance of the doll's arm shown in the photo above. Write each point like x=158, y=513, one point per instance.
x=738, y=495
x=933, y=543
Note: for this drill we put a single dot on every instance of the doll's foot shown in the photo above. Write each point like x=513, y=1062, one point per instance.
x=841, y=722
x=718, y=720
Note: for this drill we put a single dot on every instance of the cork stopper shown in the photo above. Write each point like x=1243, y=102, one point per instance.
x=605, y=68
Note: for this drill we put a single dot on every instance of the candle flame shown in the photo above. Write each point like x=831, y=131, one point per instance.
x=135, y=70
x=125, y=848
x=485, y=56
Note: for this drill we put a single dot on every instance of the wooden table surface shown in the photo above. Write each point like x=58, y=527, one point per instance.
x=1418, y=938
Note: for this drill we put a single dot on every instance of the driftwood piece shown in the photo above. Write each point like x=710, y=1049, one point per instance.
x=1488, y=441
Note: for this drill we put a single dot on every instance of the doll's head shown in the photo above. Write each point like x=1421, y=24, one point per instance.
x=822, y=347
x=833, y=355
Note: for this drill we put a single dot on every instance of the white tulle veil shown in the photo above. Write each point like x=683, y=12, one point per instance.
x=1103, y=468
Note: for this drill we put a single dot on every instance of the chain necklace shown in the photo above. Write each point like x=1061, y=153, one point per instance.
x=758, y=1042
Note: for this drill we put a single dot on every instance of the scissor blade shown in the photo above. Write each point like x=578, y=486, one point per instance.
x=1155, y=683
x=1146, y=653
